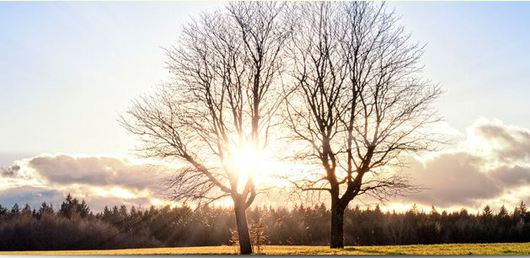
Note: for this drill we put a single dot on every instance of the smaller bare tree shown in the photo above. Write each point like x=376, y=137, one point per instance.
x=258, y=236
x=358, y=103
x=234, y=239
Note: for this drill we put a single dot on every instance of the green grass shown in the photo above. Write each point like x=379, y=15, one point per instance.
x=441, y=249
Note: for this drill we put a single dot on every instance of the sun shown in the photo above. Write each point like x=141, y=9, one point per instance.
x=250, y=162
x=247, y=159
x=244, y=159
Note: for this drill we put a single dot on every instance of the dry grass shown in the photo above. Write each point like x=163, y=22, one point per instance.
x=442, y=249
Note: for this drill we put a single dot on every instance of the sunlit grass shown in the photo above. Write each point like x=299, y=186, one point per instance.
x=441, y=249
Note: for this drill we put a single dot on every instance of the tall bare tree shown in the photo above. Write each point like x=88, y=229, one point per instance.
x=358, y=101
x=222, y=101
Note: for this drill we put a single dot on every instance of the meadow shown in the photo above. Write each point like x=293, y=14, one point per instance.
x=438, y=249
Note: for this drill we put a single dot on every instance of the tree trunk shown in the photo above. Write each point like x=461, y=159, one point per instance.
x=337, y=223
x=245, y=246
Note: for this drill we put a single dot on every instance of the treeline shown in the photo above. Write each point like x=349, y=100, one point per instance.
x=74, y=226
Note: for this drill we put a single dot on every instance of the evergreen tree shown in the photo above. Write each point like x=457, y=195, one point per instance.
x=15, y=210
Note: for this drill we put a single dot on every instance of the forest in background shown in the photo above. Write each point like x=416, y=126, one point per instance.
x=73, y=226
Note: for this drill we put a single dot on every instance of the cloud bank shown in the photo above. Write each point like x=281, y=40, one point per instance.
x=490, y=164
x=99, y=180
x=98, y=171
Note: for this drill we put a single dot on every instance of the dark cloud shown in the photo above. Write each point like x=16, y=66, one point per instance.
x=513, y=143
x=452, y=179
x=99, y=171
x=460, y=178
x=512, y=176
x=10, y=171
x=98, y=180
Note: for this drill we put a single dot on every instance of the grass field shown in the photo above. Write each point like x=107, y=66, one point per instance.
x=442, y=249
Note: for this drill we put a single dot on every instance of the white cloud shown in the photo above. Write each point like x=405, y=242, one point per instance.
x=452, y=179
x=99, y=180
x=487, y=166
x=98, y=171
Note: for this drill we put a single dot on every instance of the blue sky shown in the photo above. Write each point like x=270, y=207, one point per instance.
x=69, y=69
x=478, y=53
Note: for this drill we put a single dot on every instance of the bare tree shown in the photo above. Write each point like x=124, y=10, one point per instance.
x=222, y=100
x=358, y=102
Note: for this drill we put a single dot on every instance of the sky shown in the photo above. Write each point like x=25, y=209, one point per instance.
x=70, y=69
